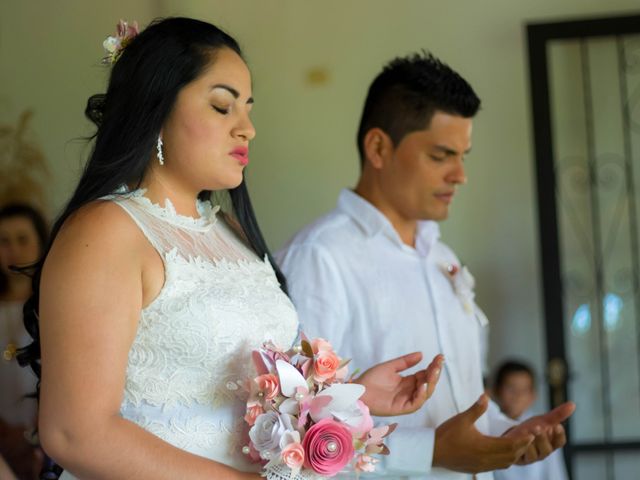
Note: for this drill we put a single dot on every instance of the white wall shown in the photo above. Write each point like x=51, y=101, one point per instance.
x=50, y=54
x=305, y=150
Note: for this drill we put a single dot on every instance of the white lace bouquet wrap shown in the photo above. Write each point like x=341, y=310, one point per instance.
x=306, y=422
x=281, y=472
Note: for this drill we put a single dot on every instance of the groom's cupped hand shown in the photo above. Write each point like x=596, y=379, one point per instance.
x=548, y=431
x=461, y=447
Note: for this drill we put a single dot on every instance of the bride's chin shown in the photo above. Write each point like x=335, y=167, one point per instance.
x=220, y=186
x=229, y=183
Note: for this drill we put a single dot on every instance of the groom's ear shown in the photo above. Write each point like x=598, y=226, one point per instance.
x=378, y=148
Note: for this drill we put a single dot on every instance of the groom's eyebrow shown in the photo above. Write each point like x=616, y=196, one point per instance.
x=450, y=151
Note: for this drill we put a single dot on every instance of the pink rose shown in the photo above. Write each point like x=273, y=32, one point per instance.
x=253, y=411
x=293, y=456
x=325, y=365
x=328, y=446
x=269, y=385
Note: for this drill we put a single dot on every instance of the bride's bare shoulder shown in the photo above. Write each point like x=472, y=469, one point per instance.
x=101, y=226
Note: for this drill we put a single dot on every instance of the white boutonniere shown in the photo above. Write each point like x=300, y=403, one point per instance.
x=463, y=285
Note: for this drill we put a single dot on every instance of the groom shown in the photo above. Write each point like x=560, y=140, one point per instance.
x=373, y=277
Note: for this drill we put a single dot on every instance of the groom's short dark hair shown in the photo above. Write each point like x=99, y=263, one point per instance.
x=405, y=95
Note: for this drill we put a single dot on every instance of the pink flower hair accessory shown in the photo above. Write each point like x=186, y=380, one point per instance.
x=115, y=45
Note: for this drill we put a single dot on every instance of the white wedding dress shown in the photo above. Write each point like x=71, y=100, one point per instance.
x=192, y=350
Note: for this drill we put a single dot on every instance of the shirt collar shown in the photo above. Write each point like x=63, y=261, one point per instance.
x=373, y=222
x=427, y=236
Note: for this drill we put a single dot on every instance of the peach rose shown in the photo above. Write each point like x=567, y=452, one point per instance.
x=293, y=456
x=269, y=385
x=325, y=365
x=253, y=411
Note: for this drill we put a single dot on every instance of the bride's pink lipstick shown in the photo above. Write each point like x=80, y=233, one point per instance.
x=241, y=154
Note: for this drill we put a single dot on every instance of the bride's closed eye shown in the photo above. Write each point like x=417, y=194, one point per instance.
x=222, y=110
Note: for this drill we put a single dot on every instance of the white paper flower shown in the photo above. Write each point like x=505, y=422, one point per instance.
x=288, y=437
x=267, y=432
x=463, y=285
x=111, y=44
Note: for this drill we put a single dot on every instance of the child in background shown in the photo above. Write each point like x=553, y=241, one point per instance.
x=514, y=390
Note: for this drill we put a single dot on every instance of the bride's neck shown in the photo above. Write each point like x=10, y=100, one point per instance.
x=159, y=188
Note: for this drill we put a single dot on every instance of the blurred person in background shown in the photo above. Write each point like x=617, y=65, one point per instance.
x=514, y=391
x=23, y=236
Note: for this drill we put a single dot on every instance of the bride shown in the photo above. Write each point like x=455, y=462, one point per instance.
x=149, y=300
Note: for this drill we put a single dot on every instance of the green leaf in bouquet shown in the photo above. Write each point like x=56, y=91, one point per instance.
x=358, y=444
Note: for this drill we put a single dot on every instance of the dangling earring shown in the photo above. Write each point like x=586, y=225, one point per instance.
x=159, y=148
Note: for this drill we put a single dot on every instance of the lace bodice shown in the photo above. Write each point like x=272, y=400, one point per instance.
x=192, y=350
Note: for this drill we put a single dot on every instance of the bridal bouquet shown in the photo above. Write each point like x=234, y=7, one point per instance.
x=306, y=422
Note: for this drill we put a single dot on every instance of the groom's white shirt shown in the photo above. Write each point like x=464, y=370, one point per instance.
x=355, y=283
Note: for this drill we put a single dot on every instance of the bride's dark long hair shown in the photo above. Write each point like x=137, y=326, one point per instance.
x=142, y=90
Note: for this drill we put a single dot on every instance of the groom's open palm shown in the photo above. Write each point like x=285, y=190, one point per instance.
x=389, y=393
